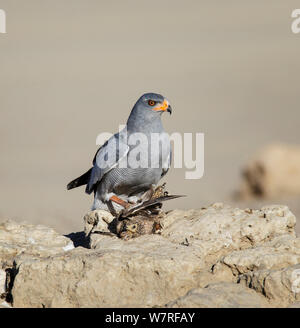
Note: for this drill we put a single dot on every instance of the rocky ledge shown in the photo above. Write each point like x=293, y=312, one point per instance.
x=211, y=257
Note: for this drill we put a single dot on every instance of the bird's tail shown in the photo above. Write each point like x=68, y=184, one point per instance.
x=82, y=180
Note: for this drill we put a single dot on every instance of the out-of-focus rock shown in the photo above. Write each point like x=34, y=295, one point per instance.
x=273, y=172
x=222, y=248
x=221, y=295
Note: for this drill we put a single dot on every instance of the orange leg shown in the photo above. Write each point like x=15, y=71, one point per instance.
x=119, y=201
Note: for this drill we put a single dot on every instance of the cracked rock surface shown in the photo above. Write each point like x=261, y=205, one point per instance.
x=217, y=256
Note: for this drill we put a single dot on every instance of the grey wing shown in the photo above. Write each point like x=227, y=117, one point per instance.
x=107, y=157
x=167, y=165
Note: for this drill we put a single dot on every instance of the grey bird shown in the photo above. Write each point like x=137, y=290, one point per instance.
x=131, y=162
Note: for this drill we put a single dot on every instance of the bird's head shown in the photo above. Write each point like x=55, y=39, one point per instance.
x=132, y=227
x=147, y=112
x=154, y=102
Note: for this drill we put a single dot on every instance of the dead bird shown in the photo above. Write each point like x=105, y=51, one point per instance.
x=138, y=225
x=144, y=218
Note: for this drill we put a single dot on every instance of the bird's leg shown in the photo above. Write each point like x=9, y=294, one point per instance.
x=119, y=201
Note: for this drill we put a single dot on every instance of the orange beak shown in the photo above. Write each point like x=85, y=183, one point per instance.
x=164, y=107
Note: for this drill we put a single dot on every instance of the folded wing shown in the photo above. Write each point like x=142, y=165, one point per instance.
x=107, y=157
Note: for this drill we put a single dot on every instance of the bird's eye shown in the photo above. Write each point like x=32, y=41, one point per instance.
x=151, y=102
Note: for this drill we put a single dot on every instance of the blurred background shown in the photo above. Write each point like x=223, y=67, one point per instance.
x=71, y=69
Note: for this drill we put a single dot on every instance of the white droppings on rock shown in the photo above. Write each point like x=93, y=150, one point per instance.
x=31, y=240
x=5, y=305
x=23, y=239
x=69, y=247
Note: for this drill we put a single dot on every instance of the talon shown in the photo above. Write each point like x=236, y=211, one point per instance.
x=159, y=191
x=133, y=200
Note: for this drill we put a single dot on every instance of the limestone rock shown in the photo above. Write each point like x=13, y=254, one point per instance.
x=145, y=271
x=281, y=252
x=221, y=295
x=217, y=256
x=220, y=229
x=97, y=221
x=295, y=305
x=2, y=282
x=21, y=239
x=5, y=305
x=281, y=287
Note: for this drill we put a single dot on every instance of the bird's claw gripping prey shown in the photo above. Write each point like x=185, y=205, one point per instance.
x=117, y=182
x=149, y=204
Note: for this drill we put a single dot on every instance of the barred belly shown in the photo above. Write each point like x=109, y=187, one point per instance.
x=128, y=181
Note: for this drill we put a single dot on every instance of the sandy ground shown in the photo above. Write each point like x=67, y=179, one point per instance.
x=70, y=70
